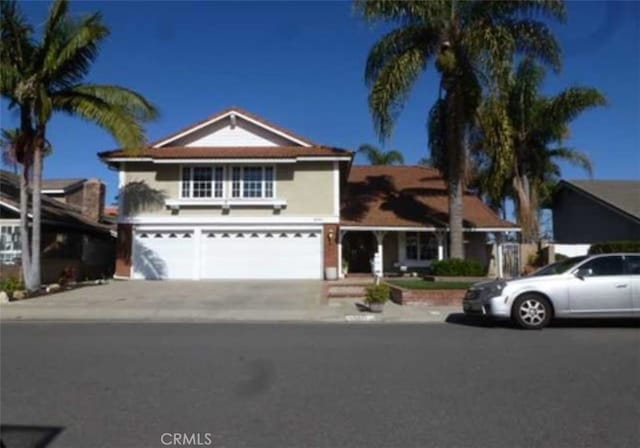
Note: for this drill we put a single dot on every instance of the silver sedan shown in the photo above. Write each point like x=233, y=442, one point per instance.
x=590, y=286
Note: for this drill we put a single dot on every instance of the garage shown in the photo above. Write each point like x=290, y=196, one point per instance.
x=226, y=254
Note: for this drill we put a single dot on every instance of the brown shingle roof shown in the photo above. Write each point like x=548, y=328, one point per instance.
x=249, y=152
x=407, y=196
x=225, y=112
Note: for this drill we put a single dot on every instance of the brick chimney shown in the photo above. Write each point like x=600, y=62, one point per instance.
x=93, y=194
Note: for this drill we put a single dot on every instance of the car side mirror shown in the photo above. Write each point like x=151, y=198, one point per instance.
x=584, y=272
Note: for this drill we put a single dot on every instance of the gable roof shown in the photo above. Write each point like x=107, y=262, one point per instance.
x=248, y=116
x=623, y=195
x=408, y=196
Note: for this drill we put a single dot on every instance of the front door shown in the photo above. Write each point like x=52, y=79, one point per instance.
x=358, y=250
x=603, y=290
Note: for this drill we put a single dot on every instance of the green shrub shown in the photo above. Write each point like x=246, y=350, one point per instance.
x=561, y=257
x=378, y=293
x=455, y=267
x=11, y=284
x=608, y=247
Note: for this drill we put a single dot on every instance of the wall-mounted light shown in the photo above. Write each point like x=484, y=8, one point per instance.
x=330, y=235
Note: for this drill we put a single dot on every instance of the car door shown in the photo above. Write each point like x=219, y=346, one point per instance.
x=601, y=288
x=633, y=270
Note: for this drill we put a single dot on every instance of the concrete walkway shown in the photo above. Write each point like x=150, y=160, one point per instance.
x=208, y=301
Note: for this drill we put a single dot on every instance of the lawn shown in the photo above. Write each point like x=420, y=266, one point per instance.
x=418, y=283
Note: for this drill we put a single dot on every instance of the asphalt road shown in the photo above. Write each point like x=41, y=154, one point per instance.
x=362, y=385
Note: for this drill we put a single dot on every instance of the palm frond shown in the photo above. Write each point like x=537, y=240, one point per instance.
x=566, y=106
x=391, y=88
x=574, y=157
x=534, y=39
x=117, y=120
x=68, y=55
x=396, y=43
x=403, y=11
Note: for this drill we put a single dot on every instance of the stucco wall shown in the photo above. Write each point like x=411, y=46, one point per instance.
x=307, y=187
x=580, y=220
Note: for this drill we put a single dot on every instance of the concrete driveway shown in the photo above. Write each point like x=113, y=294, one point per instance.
x=207, y=301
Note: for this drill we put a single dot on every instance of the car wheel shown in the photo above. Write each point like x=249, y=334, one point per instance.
x=531, y=311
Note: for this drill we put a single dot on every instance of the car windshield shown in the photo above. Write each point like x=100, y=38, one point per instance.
x=560, y=267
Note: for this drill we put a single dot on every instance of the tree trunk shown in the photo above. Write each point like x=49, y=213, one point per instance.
x=24, y=225
x=456, y=169
x=36, y=231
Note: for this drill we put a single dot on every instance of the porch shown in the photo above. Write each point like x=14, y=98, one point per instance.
x=389, y=251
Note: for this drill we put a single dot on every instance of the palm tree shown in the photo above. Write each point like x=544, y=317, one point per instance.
x=377, y=156
x=42, y=75
x=536, y=126
x=472, y=44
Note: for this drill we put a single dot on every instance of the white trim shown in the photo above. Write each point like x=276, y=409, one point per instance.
x=11, y=207
x=427, y=229
x=388, y=229
x=58, y=191
x=323, y=158
x=233, y=228
x=237, y=160
x=222, y=117
x=225, y=220
x=222, y=161
x=127, y=159
x=336, y=188
x=492, y=229
x=198, y=201
x=221, y=202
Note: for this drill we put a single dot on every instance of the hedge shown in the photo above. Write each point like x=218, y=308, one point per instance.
x=608, y=247
x=455, y=267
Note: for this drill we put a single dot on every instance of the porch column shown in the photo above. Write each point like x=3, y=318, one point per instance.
x=440, y=237
x=499, y=255
x=379, y=238
x=340, y=236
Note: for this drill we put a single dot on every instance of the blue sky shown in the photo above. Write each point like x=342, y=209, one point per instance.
x=300, y=65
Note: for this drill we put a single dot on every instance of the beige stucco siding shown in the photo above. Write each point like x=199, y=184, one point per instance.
x=308, y=188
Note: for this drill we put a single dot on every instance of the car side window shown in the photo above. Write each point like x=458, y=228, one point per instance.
x=633, y=264
x=605, y=266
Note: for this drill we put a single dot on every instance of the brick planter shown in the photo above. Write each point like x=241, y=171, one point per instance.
x=433, y=297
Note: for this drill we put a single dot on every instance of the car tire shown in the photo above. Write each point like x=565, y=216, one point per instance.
x=531, y=311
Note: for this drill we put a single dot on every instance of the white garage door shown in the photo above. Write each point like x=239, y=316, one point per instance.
x=256, y=254
x=222, y=254
x=158, y=255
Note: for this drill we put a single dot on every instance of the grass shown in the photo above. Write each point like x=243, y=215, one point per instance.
x=418, y=283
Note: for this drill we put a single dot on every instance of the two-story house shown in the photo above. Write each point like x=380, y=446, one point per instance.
x=237, y=197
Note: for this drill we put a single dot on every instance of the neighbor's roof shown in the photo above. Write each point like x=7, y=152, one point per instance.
x=222, y=114
x=53, y=211
x=61, y=184
x=233, y=152
x=407, y=196
x=621, y=194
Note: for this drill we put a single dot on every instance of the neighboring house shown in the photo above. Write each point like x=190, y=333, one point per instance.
x=237, y=197
x=592, y=211
x=74, y=233
x=401, y=213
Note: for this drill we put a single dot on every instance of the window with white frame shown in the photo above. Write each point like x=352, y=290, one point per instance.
x=252, y=182
x=10, y=247
x=421, y=246
x=202, y=182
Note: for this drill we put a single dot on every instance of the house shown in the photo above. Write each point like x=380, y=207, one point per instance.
x=237, y=197
x=592, y=211
x=74, y=232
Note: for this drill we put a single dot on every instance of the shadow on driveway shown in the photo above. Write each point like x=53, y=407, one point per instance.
x=480, y=321
x=27, y=436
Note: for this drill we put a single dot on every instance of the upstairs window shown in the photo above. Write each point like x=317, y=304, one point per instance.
x=202, y=182
x=252, y=182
